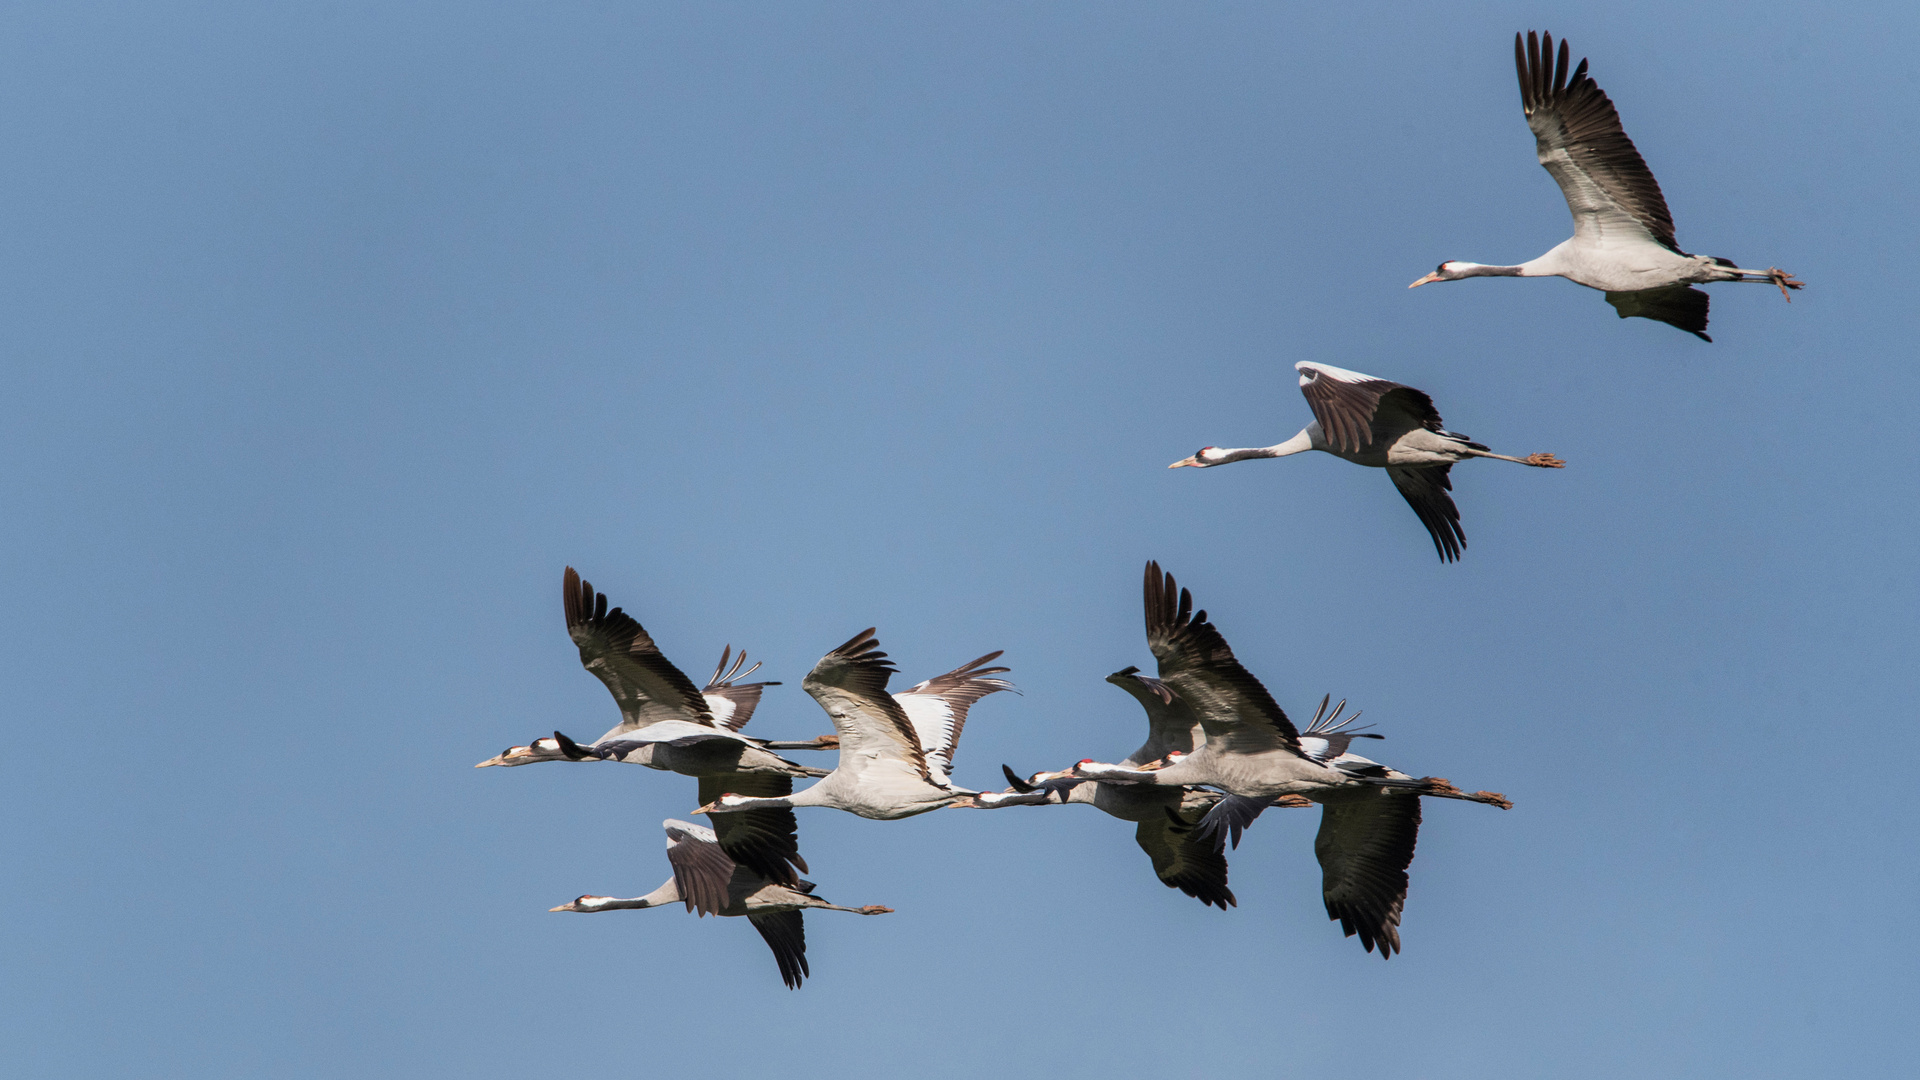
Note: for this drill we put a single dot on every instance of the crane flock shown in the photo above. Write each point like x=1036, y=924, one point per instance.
x=1219, y=749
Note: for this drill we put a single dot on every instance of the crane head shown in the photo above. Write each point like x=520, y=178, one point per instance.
x=1203, y=457
x=1451, y=270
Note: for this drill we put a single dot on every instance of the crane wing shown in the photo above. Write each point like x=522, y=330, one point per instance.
x=765, y=841
x=731, y=702
x=1676, y=305
x=850, y=683
x=937, y=708
x=619, y=652
x=1194, y=866
x=1579, y=140
x=1356, y=411
x=1425, y=489
x=1364, y=846
x=701, y=870
x=1197, y=663
x=1171, y=725
x=786, y=934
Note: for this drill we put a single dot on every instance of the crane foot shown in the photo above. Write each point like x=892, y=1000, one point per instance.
x=1785, y=281
x=1544, y=461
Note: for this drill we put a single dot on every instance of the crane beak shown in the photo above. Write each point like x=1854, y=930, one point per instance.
x=562, y=907
x=707, y=809
x=1184, y=463
x=1424, y=280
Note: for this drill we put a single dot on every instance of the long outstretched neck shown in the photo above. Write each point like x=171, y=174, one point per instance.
x=660, y=897
x=1298, y=444
x=811, y=795
x=870, y=909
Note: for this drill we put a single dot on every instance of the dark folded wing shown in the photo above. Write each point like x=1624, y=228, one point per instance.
x=1170, y=723
x=701, y=870
x=1357, y=411
x=1183, y=861
x=765, y=841
x=619, y=652
x=1233, y=815
x=1425, y=489
x=1197, y=663
x=1365, y=845
x=1579, y=140
x=1676, y=305
x=786, y=935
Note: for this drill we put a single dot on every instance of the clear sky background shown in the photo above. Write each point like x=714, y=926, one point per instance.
x=333, y=332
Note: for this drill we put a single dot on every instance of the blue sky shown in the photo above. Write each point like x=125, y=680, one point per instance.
x=335, y=331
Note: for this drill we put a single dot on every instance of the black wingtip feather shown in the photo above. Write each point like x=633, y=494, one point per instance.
x=1014, y=781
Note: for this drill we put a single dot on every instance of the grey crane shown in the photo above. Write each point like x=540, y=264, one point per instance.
x=667, y=723
x=1164, y=817
x=1371, y=814
x=896, y=750
x=707, y=881
x=1623, y=242
x=1385, y=425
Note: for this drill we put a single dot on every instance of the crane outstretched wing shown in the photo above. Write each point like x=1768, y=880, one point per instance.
x=786, y=934
x=1183, y=861
x=850, y=683
x=937, y=708
x=1364, y=846
x=1425, y=489
x=1355, y=411
x=619, y=652
x=765, y=841
x=1171, y=725
x=1579, y=140
x=1676, y=305
x=1197, y=663
x=701, y=870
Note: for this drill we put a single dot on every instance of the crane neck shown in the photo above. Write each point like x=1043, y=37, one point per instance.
x=1525, y=269
x=1298, y=444
x=811, y=795
x=668, y=893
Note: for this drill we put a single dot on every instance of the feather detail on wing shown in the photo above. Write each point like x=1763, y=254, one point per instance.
x=1232, y=815
x=850, y=683
x=618, y=651
x=1676, y=305
x=1195, y=866
x=1425, y=489
x=1326, y=738
x=1171, y=725
x=1356, y=411
x=765, y=841
x=786, y=934
x=937, y=708
x=701, y=871
x=1197, y=663
x=731, y=702
x=1365, y=844
x=1579, y=141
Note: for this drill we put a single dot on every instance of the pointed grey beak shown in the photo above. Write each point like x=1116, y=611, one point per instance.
x=1185, y=462
x=1424, y=280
